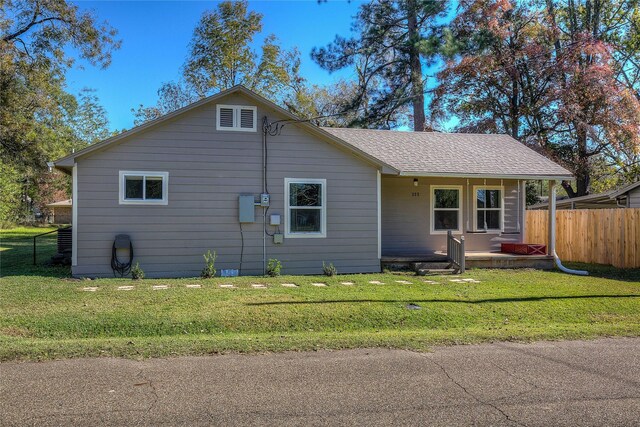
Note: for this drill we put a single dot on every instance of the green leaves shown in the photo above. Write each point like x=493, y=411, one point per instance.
x=39, y=120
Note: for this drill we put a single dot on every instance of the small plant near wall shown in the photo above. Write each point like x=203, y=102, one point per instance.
x=136, y=272
x=329, y=269
x=273, y=267
x=209, y=269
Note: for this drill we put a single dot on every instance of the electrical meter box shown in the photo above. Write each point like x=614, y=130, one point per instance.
x=246, y=208
x=264, y=199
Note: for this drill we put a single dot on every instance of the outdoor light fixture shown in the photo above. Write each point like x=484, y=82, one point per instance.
x=415, y=182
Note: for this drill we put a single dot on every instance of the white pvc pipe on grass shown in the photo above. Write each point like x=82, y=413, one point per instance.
x=552, y=233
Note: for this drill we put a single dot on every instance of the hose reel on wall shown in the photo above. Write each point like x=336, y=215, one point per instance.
x=121, y=247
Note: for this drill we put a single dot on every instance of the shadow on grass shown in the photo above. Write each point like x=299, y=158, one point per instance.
x=477, y=301
x=607, y=271
x=16, y=257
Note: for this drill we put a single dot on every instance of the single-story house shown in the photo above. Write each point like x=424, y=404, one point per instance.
x=625, y=197
x=237, y=174
x=61, y=211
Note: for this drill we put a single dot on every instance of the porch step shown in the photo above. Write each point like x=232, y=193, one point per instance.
x=430, y=268
x=431, y=265
x=435, y=271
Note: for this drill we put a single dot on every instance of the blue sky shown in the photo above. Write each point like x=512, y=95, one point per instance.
x=156, y=34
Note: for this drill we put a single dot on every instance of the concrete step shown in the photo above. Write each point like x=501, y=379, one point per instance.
x=431, y=265
x=435, y=271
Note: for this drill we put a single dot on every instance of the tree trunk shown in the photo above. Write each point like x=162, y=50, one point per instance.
x=581, y=168
x=417, y=86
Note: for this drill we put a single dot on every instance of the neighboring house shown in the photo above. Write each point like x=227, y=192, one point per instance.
x=625, y=197
x=61, y=211
x=192, y=181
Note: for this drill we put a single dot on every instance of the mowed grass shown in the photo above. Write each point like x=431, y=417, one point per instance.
x=45, y=317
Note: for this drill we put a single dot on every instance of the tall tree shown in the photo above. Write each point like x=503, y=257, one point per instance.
x=37, y=38
x=395, y=41
x=521, y=70
x=34, y=37
x=221, y=55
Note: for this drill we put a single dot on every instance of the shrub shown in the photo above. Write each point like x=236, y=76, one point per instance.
x=273, y=268
x=209, y=269
x=136, y=272
x=329, y=269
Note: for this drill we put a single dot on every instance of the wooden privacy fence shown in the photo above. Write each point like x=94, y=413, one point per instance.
x=601, y=236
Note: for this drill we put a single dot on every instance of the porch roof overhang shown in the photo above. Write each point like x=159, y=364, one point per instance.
x=459, y=155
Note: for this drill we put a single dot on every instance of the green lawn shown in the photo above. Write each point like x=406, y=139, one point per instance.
x=44, y=315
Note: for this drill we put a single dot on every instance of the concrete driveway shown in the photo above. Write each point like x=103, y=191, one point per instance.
x=542, y=384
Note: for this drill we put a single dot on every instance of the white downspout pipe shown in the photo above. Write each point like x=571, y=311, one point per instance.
x=552, y=232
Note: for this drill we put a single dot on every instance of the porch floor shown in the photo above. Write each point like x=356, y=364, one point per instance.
x=478, y=259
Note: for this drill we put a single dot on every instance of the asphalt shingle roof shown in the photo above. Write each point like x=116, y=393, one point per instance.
x=453, y=154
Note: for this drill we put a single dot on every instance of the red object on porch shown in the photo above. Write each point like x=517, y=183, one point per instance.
x=523, y=249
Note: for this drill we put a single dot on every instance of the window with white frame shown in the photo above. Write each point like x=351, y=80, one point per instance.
x=236, y=118
x=488, y=208
x=446, y=208
x=143, y=188
x=305, y=207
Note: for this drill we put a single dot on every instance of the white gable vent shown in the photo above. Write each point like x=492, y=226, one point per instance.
x=236, y=118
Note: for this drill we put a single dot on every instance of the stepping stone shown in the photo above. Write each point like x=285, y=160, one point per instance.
x=403, y=282
x=430, y=282
x=90, y=289
x=289, y=285
x=194, y=286
x=376, y=282
x=159, y=287
x=320, y=285
x=259, y=286
x=125, y=288
x=227, y=285
x=456, y=280
x=347, y=283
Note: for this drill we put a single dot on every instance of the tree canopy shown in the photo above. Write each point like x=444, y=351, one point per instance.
x=39, y=119
x=221, y=55
x=550, y=74
x=395, y=42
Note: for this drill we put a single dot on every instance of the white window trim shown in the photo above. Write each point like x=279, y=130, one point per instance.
x=236, y=118
x=475, y=208
x=165, y=188
x=287, y=209
x=432, y=201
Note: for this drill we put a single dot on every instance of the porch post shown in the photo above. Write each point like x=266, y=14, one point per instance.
x=551, y=245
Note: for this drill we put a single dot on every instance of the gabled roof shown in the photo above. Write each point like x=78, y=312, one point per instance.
x=66, y=163
x=453, y=154
x=394, y=152
x=606, y=198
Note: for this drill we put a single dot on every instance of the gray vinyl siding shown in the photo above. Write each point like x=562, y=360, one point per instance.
x=634, y=198
x=406, y=216
x=208, y=169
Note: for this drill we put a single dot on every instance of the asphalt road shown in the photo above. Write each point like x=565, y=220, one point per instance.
x=542, y=384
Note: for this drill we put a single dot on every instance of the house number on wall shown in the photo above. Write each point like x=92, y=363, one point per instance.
x=415, y=194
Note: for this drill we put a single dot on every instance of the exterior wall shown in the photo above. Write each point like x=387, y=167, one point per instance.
x=634, y=198
x=406, y=216
x=208, y=169
x=62, y=215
